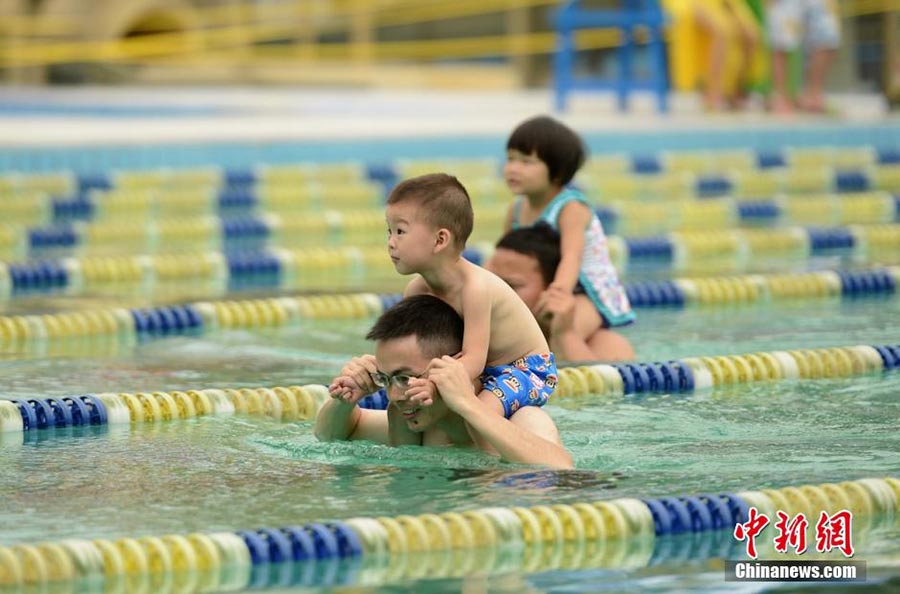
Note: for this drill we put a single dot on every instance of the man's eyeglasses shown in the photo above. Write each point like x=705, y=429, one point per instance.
x=399, y=380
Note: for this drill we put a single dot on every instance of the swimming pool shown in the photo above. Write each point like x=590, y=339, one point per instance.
x=217, y=474
x=213, y=474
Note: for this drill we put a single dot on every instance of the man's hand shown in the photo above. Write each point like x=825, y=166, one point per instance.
x=453, y=383
x=558, y=305
x=355, y=380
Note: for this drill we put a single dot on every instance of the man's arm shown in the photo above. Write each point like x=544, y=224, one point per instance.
x=530, y=439
x=340, y=418
x=340, y=421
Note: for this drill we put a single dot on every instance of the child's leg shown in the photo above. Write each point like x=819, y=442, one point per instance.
x=569, y=333
x=586, y=318
x=609, y=345
x=492, y=401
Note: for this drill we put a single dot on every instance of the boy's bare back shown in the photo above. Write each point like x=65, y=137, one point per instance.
x=514, y=333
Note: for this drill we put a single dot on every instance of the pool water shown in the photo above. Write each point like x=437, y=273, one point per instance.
x=231, y=473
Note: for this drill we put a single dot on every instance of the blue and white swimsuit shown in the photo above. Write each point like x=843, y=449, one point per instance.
x=597, y=276
x=528, y=381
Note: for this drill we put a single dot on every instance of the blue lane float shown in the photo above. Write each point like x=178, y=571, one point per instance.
x=255, y=269
x=867, y=282
x=239, y=177
x=889, y=156
x=52, y=237
x=770, y=160
x=48, y=276
x=824, y=240
x=658, y=248
x=77, y=208
x=851, y=181
x=166, y=320
x=302, y=546
x=646, y=164
x=93, y=181
x=237, y=199
x=758, y=211
x=713, y=186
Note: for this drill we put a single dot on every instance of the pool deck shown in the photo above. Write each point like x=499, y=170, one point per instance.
x=58, y=117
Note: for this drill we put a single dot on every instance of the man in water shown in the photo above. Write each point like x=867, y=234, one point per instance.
x=415, y=339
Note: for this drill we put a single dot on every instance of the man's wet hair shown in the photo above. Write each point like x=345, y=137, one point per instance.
x=443, y=201
x=540, y=241
x=557, y=145
x=437, y=327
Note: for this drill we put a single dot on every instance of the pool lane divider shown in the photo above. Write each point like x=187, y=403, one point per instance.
x=292, y=403
x=295, y=403
x=617, y=533
x=269, y=266
x=203, y=316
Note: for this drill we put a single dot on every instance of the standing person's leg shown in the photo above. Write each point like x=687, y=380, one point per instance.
x=709, y=20
x=783, y=24
x=780, y=102
x=747, y=33
x=823, y=33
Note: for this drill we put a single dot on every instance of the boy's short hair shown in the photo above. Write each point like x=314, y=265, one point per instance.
x=557, y=145
x=437, y=327
x=444, y=200
x=540, y=241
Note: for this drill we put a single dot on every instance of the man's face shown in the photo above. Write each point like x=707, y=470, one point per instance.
x=521, y=272
x=403, y=356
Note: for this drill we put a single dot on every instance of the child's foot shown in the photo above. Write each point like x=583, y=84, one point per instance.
x=812, y=103
x=781, y=105
x=715, y=106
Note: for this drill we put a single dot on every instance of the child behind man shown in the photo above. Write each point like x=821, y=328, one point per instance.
x=543, y=156
x=429, y=220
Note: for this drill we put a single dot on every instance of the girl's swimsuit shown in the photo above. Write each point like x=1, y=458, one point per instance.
x=597, y=276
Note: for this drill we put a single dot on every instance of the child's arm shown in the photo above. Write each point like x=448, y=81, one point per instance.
x=476, y=311
x=573, y=220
